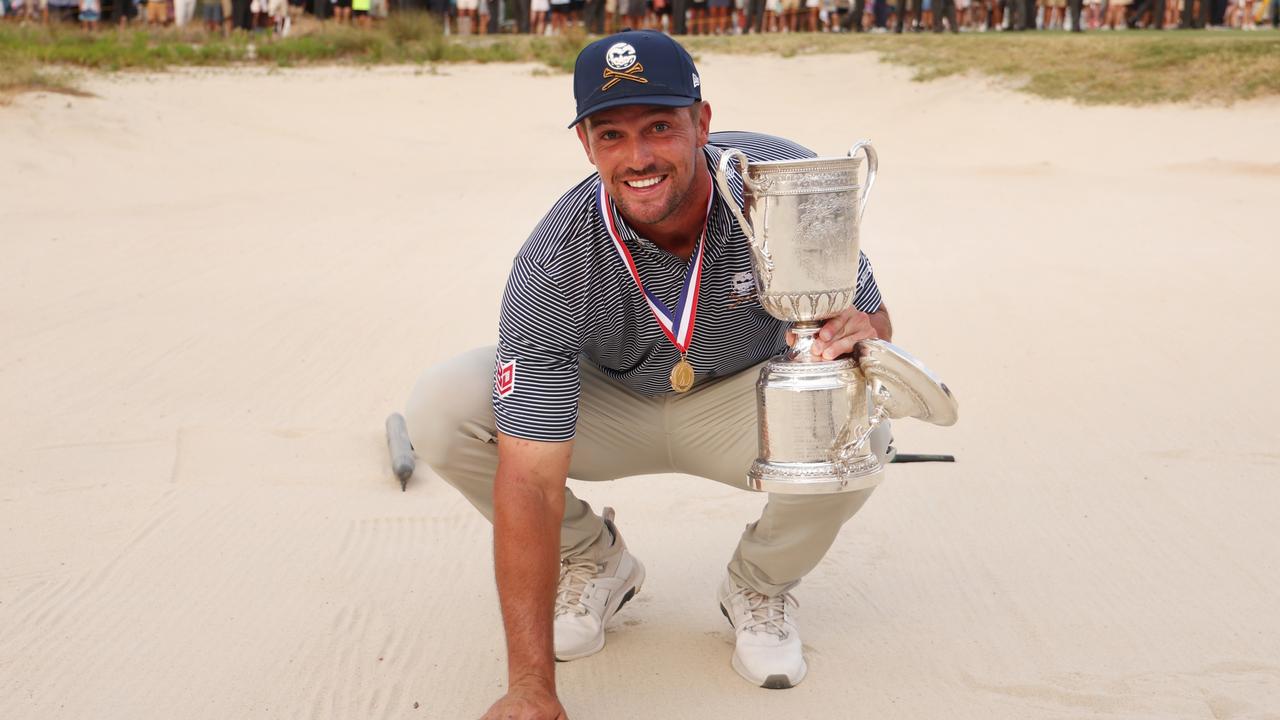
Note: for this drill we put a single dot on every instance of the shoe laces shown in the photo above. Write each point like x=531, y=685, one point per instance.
x=768, y=614
x=575, y=573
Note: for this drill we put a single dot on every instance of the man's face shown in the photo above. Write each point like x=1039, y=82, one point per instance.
x=647, y=156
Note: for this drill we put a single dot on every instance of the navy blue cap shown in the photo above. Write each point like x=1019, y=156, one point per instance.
x=636, y=67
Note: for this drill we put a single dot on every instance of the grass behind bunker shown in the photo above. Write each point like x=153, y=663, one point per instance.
x=1135, y=68
x=36, y=57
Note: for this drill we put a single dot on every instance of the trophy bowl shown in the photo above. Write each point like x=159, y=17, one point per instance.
x=801, y=218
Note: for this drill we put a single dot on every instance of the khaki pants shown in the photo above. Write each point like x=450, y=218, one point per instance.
x=709, y=432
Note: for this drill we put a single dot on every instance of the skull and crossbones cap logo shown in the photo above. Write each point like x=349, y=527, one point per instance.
x=634, y=67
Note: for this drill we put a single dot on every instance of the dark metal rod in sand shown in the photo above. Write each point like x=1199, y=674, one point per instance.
x=914, y=458
x=400, y=448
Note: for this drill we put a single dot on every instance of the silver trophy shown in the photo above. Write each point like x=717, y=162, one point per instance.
x=816, y=416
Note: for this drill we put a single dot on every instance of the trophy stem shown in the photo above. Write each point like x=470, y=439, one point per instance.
x=802, y=349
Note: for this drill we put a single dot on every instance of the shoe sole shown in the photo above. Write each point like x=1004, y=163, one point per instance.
x=638, y=579
x=772, y=682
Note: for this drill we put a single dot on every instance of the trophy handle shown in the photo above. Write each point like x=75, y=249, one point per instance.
x=758, y=248
x=873, y=163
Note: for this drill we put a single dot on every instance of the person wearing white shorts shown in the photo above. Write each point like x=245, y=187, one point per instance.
x=468, y=15
x=538, y=10
x=812, y=8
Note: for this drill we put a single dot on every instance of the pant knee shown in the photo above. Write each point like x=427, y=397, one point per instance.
x=449, y=405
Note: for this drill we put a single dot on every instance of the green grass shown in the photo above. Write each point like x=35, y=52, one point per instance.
x=1133, y=68
x=412, y=38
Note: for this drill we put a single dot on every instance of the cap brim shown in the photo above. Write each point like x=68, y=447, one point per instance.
x=662, y=100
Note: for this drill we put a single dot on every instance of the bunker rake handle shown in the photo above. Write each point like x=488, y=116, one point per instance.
x=400, y=448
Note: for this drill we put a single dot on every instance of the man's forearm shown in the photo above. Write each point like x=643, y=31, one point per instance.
x=526, y=547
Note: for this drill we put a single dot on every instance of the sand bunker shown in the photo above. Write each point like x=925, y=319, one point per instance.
x=216, y=286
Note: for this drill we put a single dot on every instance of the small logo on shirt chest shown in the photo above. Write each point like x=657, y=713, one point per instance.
x=742, y=289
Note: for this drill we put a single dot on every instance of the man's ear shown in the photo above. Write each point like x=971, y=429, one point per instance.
x=581, y=129
x=704, y=123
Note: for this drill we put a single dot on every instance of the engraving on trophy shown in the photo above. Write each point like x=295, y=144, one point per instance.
x=791, y=182
x=761, y=184
x=822, y=224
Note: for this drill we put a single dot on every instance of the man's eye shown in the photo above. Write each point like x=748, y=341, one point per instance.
x=609, y=135
x=661, y=127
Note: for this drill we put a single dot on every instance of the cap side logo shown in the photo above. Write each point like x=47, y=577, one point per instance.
x=620, y=56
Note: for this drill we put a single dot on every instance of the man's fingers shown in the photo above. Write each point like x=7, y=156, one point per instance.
x=845, y=345
x=837, y=348
x=839, y=334
x=833, y=328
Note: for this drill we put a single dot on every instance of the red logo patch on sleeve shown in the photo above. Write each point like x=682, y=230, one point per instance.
x=506, y=379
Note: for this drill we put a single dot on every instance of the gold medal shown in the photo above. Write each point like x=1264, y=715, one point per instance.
x=682, y=376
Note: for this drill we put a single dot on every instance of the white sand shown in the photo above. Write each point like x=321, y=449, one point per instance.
x=216, y=286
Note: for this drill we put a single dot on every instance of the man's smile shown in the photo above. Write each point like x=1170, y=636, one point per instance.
x=645, y=184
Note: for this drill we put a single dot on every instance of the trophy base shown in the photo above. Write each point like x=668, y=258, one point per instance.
x=815, y=478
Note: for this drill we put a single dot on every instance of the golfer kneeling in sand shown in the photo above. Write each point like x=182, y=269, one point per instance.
x=630, y=343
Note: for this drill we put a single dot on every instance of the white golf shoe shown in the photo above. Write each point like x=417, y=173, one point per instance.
x=768, y=652
x=590, y=594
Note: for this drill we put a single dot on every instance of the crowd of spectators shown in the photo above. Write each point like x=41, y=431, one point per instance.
x=726, y=17
x=276, y=16
x=696, y=17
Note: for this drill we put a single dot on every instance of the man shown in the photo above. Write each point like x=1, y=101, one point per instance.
x=341, y=13
x=916, y=8
x=753, y=16
x=945, y=10
x=122, y=11
x=593, y=15
x=632, y=12
x=853, y=20
x=590, y=380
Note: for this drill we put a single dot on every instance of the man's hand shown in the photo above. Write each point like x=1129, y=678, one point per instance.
x=840, y=333
x=527, y=702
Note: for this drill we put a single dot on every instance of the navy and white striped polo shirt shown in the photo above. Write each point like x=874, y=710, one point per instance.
x=570, y=296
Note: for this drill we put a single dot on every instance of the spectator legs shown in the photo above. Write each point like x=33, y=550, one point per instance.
x=593, y=16
x=945, y=9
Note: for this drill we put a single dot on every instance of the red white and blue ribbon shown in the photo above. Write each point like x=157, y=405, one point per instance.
x=677, y=326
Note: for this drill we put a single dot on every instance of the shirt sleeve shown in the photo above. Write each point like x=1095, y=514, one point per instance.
x=536, y=381
x=868, y=298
